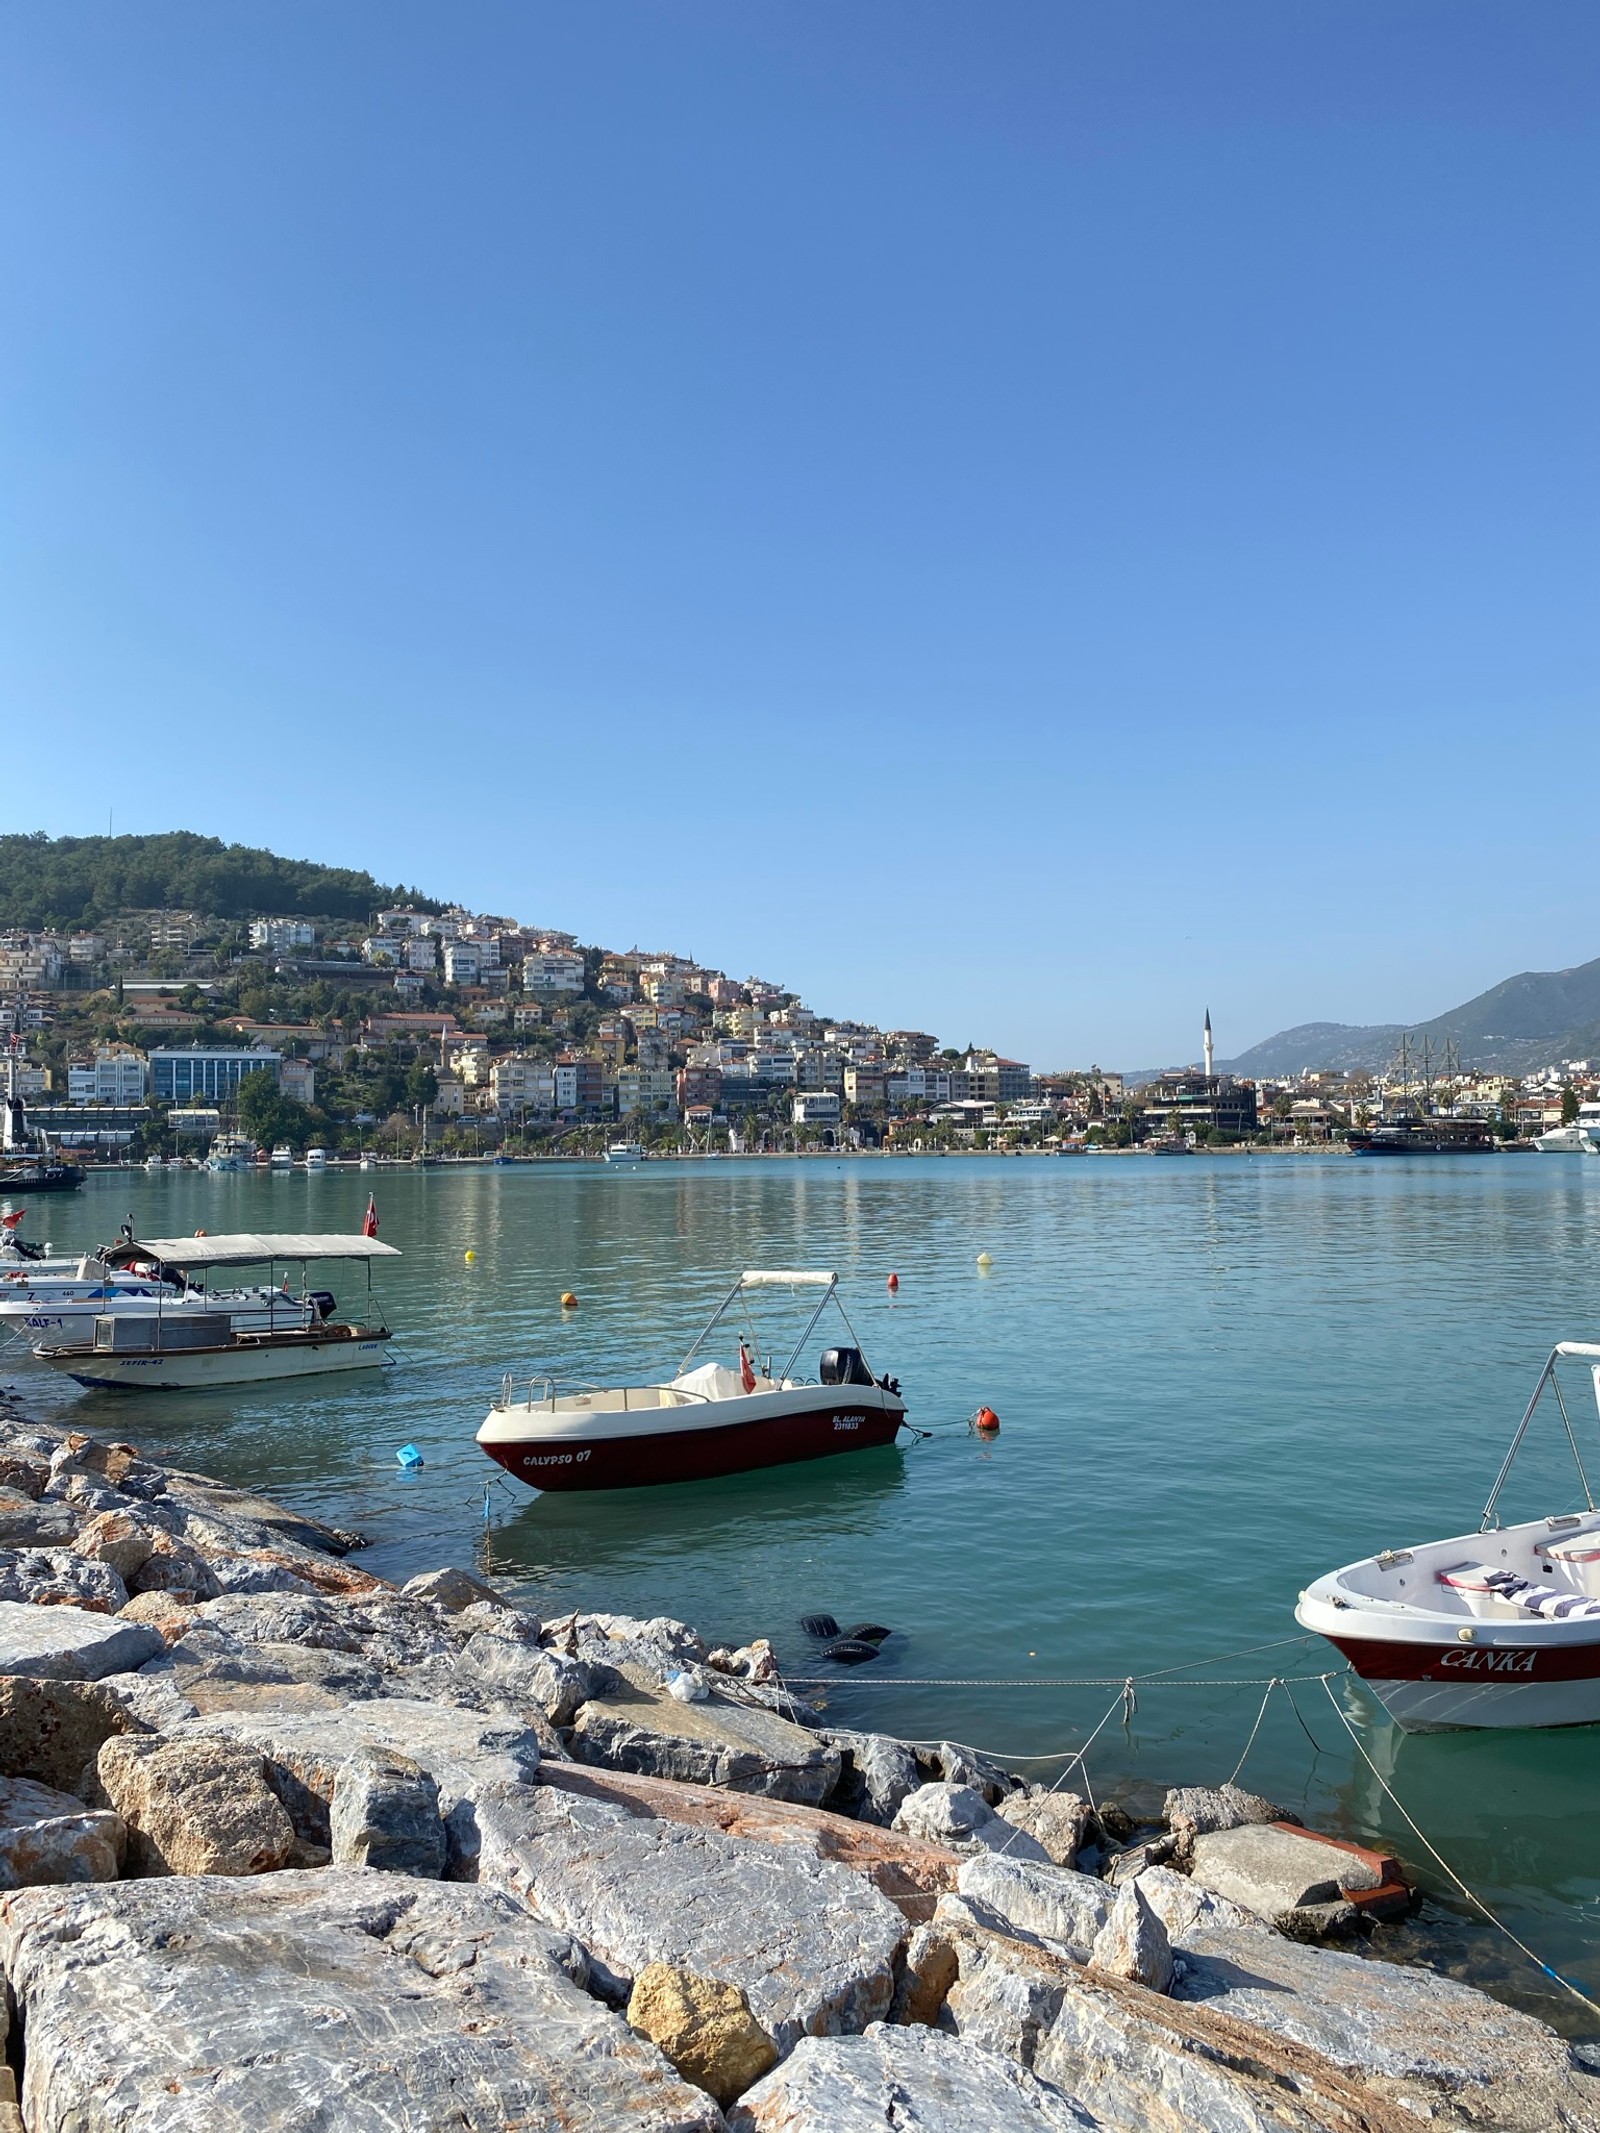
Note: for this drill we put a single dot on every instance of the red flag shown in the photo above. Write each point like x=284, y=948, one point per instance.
x=747, y=1375
x=11, y=1221
x=369, y=1222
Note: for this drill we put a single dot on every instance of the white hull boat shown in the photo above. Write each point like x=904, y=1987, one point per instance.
x=231, y=1151
x=625, y=1152
x=195, y=1345
x=316, y=1159
x=1495, y=1628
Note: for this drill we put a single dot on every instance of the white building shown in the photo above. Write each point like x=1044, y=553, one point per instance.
x=421, y=952
x=282, y=934
x=816, y=1107
x=297, y=1079
x=549, y=975
x=111, y=1077
x=463, y=962
x=521, y=1084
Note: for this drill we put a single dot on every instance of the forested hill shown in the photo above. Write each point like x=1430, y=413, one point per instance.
x=82, y=881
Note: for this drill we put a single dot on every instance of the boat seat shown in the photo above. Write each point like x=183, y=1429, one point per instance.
x=1496, y=1592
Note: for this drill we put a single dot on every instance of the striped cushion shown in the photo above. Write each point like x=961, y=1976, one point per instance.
x=1533, y=1599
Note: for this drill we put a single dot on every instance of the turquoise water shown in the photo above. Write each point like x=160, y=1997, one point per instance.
x=1216, y=1377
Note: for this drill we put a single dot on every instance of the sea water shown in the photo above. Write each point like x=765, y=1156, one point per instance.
x=1216, y=1377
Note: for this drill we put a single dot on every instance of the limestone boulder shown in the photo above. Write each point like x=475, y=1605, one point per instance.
x=1191, y=1811
x=59, y=1577
x=50, y=1836
x=195, y=1807
x=1133, y=1942
x=1067, y=1911
x=1184, y=1907
x=960, y=1765
x=518, y=1673
x=960, y=1816
x=385, y=1814
x=71, y=1643
x=450, y=1589
x=1060, y=1823
x=52, y=1731
x=173, y=1566
x=1275, y=1871
x=704, y=2026
x=910, y=2078
x=341, y=1999
x=876, y=1777
x=811, y=1944
x=113, y=1537
x=25, y=1522
x=23, y=1473
x=716, y=1742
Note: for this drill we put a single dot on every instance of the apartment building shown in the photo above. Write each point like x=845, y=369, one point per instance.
x=180, y=1074
x=549, y=976
x=112, y=1076
x=282, y=935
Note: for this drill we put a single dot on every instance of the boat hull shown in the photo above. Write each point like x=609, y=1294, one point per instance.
x=822, y=1426
x=1434, y=1688
x=200, y=1369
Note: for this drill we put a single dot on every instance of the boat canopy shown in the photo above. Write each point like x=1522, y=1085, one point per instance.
x=1588, y=1349
x=783, y=1280
x=245, y=1248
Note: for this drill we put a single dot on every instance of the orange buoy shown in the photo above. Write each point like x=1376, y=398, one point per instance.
x=894, y=1281
x=986, y=1422
x=568, y=1300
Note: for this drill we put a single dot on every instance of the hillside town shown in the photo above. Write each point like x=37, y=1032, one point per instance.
x=453, y=1032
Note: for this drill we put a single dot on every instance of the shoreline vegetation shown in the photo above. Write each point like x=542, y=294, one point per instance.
x=284, y=1843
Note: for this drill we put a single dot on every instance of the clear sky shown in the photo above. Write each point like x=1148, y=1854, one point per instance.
x=1019, y=519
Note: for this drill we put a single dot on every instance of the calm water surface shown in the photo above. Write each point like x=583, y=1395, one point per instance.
x=1216, y=1378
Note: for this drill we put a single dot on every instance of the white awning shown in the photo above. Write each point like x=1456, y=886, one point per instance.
x=1588, y=1349
x=247, y=1248
x=783, y=1280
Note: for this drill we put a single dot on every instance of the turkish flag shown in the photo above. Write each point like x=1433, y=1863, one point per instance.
x=369, y=1221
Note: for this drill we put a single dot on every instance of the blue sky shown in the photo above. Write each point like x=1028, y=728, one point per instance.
x=1017, y=520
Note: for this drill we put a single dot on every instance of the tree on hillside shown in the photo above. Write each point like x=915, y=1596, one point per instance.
x=1569, y=1106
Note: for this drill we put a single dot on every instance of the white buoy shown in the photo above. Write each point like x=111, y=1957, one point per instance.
x=984, y=1259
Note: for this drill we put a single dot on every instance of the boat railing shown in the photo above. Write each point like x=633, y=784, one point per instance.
x=545, y=1392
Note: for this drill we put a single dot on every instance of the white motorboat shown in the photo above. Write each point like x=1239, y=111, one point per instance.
x=702, y=1422
x=1495, y=1628
x=316, y=1159
x=180, y=1350
x=232, y=1151
x=1580, y=1136
x=282, y=1157
x=154, y=1162
x=625, y=1152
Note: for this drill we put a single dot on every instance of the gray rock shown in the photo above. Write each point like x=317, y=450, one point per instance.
x=462, y=1751
x=369, y=2004
x=27, y=1523
x=1192, y=1811
x=49, y=1836
x=716, y=1742
x=173, y=1566
x=55, y=1577
x=1183, y=1907
x=1052, y=1904
x=877, y=1775
x=450, y=1589
x=901, y=2078
x=1273, y=1871
x=385, y=1814
x=1062, y=1823
x=528, y=1674
x=1133, y=1943
x=943, y=1814
x=52, y=1731
x=810, y=1943
x=959, y=1765
x=194, y=1806
x=1136, y=1859
x=1440, y=2045
x=70, y=1643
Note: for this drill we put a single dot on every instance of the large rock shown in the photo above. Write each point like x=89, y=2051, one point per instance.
x=340, y=1999
x=902, y=2078
x=1133, y=1942
x=195, y=1807
x=877, y=1775
x=1274, y=1871
x=520, y=1674
x=462, y=1751
x=912, y=1874
x=52, y=1731
x=1192, y=1811
x=451, y=1589
x=705, y=2028
x=127, y=1544
x=60, y=1577
x=1443, y=2048
x=1183, y=1907
x=716, y=1742
x=1065, y=1910
x=811, y=1944
x=960, y=1816
x=1061, y=1823
x=25, y=1522
x=1139, y=2063
x=70, y=1643
x=385, y=1814
x=49, y=1836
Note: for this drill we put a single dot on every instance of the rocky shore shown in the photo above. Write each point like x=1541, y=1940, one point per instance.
x=286, y=1847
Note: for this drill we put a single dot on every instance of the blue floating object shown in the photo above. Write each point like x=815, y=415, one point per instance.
x=409, y=1455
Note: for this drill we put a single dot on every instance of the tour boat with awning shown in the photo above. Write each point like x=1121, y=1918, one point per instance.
x=167, y=1349
x=709, y=1418
x=1495, y=1628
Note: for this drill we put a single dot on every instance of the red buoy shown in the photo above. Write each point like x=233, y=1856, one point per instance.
x=986, y=1422
x=894, y=1281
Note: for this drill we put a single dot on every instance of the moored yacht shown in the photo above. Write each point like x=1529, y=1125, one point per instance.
x=705, y=1420
x=1495, y=1628
x=625, y=1152
x=316, y=1159
x=283, y=1156
x=232, y=1151
x=1580, y=1136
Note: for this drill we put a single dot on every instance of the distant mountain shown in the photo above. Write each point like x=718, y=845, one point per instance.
x=81, y=881
x=1522, y=1023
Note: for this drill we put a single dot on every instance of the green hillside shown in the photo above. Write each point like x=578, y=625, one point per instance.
x=83, y=881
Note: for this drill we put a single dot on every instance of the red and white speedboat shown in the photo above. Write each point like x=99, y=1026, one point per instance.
x=1495, y=1628
x=705, y=1421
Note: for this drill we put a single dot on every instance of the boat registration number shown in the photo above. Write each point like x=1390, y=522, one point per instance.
x=557, y=1458
x=848, y=1421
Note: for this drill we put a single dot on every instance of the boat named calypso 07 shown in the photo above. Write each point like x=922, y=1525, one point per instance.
x=1495, y=1628
x=165, y=1349
x=704, y=1421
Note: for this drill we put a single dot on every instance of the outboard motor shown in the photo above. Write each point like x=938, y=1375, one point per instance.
x=844, y=1366
x=322, y=1301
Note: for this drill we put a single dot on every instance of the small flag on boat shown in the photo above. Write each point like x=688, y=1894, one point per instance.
x=369, y=1221
x=11, y=1221
x=747, y=1375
